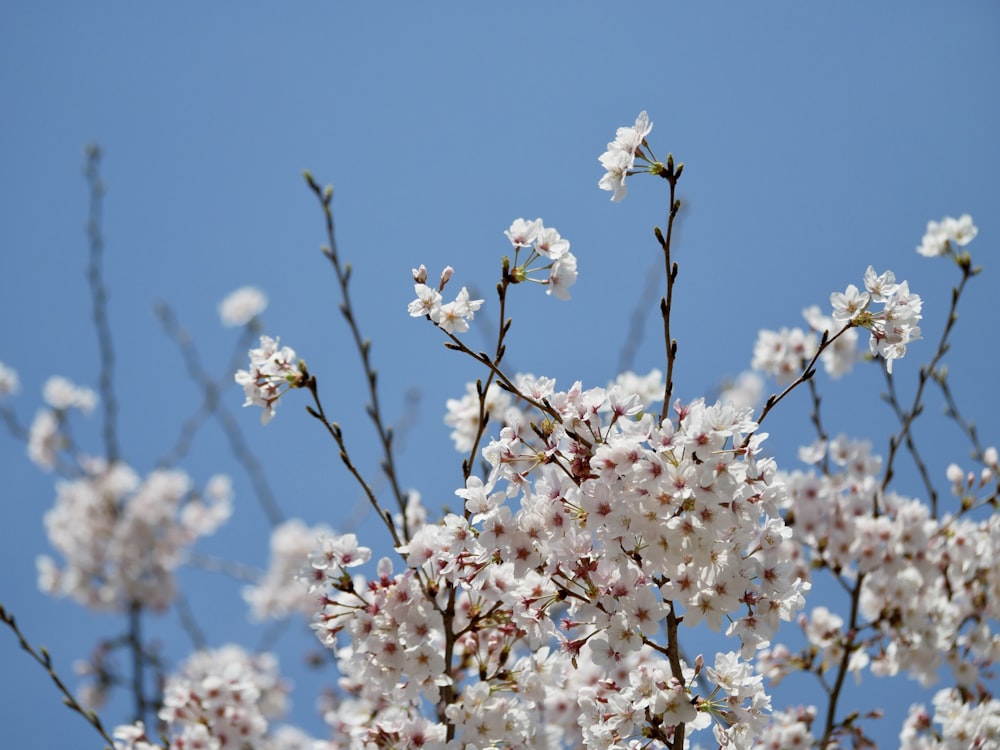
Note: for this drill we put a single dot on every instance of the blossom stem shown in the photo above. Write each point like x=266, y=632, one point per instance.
x=343, y=273
x=845, y=660
x=666, y=303
x=337, y=434
x=907, y=417
x=507, y=384
x=807, y=372
x=674, y=656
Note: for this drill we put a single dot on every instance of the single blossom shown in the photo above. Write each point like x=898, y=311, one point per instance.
x=242, y=306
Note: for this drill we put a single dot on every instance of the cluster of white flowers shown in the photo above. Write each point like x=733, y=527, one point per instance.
x=45, y=437
x=941, y=235
x=549, y=249
x=619, y=159
x=463, y=413
x=242, y=306
x=783, y=354
x=271, y=370
x=122, y=537
x=622, y=518
x=963, y=726
x=278, y=594
x=452, y=317
x=928, y=593
x=62, y=394
x=892, y=327
x=222, y=699
x=788, y=730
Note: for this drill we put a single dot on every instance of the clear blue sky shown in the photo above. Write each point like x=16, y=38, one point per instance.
x=817, y=139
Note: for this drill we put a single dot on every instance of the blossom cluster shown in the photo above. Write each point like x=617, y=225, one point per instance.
x=619, y=159
x=962, y=725
x=549, y=250
x=451, y=317
x=223, y=698
x=892, y=327
x=928, y=585
x=271, y=370
x=46, y=437
x=122, y=537
x=783, y=354
x=276, y=594
x=568, y=557
x=941, y=236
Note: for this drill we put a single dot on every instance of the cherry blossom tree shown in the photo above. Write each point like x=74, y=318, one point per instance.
x=597, y=528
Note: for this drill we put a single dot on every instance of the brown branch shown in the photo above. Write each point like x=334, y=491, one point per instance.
x=45, y=660
x=343, y=273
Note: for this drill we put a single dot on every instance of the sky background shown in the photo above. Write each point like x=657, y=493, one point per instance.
x=817, y=140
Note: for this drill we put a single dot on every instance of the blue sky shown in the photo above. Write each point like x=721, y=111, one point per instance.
x=817, y=140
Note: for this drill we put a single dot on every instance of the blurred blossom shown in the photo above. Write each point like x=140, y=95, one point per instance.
x=242, y=306
x=9, y=383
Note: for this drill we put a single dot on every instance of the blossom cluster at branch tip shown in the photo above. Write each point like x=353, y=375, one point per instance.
x=619, y=159
x=452, y=317
x=941, y=236
x=548, y=251
x=272, y=372
x=892, y=327
x=241, y=306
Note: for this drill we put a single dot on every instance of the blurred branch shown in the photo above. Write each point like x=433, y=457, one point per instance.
x=217, y=565
x=968, y=427
x=816, y=419
x=637, y=321
x=211, y=405
x=99, y=297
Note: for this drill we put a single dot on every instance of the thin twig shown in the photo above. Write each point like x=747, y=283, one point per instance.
x=45, y=660
x=212, y=405
x=343, y=273
x=926, y=372
x=666, y=303
x=968, y=428
x=99, y=297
